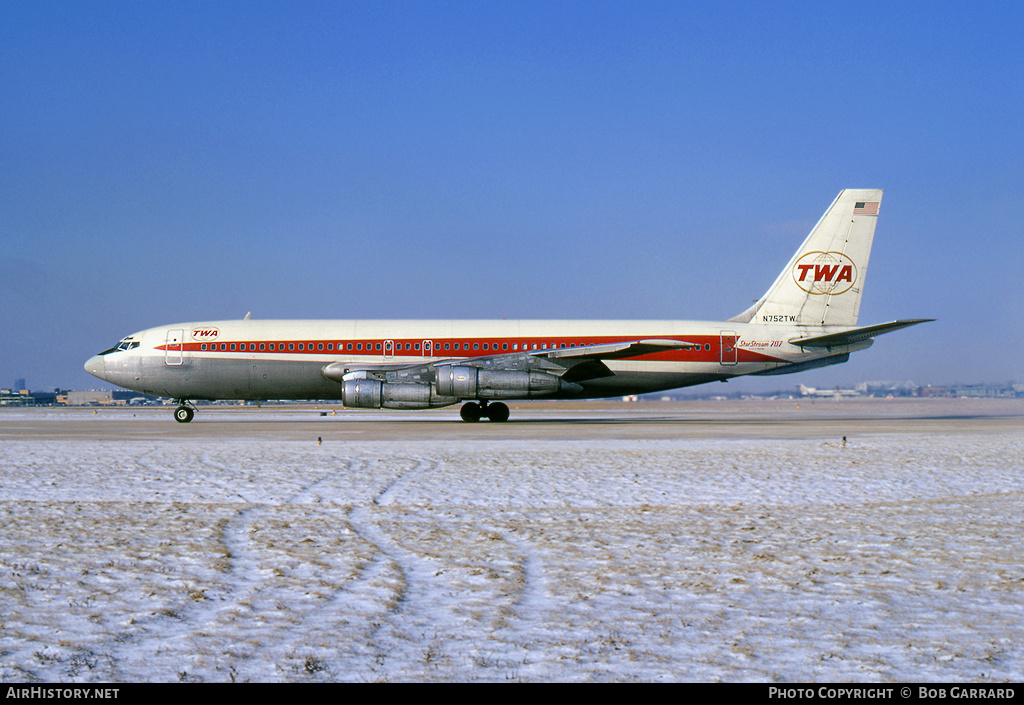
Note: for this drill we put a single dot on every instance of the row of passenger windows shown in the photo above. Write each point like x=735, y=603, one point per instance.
x=281, y=347
x=387, y=348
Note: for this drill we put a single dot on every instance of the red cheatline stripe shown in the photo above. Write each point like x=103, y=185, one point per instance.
x=708, y=350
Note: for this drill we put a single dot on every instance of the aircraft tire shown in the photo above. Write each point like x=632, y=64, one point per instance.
x=497, y=412
x=471, y=412
x=183, y=414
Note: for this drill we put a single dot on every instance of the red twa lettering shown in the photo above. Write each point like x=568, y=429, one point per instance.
x=826, y=272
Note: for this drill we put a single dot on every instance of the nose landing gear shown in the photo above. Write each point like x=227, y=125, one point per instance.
x=183, y=414
x=473, y=411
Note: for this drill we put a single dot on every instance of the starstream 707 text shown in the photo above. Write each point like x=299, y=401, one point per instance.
x=62, y=693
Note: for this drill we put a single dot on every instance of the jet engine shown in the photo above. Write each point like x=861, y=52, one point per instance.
x=374, y=394
x=464, y=382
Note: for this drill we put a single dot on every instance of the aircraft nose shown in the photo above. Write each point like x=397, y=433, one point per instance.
x=96, y=366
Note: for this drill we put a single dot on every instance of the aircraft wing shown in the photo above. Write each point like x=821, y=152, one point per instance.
x=615, y=351
x=571, y=364
x=586, y=362
x=854, y=335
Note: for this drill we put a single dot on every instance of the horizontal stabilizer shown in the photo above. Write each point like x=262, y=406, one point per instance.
x=854, y=335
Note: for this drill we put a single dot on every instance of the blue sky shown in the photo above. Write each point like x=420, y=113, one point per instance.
x=166, y=162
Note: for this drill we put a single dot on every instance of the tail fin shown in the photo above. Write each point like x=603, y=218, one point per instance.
x=822, y=284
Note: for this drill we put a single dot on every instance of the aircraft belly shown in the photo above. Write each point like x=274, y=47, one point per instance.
x=641, y=377
x=284, y=379
x=629, y=384
x=220, y=378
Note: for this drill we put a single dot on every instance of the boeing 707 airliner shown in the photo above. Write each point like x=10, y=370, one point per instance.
x=807, y=319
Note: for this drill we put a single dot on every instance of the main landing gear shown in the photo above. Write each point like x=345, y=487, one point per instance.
x=473, y=411
x=183, y=414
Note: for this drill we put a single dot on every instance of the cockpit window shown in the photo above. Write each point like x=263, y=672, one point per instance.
x=128, y=343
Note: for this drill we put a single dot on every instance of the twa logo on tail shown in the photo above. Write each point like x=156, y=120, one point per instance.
x=825, y=273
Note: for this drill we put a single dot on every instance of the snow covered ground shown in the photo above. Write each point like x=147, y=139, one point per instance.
x=897, y=557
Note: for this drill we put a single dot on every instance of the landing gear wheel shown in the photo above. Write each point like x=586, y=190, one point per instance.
x=471, y=412
x=497, y=412
x=183, y=414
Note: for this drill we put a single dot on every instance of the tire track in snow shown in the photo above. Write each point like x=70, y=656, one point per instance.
x=444, y=608
x=358, y=609
x=454, y=618
x=354, y=611
x=169, y=632
x=412, y=576
x=513, y=637
x=384, y=609
x=386, y=495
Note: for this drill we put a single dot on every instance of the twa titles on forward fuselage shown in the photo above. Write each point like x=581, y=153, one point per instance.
x=807, y=319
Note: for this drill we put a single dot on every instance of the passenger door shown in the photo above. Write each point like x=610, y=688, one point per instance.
x=173, y=347
x=727, y=347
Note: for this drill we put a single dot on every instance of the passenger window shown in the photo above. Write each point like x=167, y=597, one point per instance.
x=504, y=346
x=485, y=346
